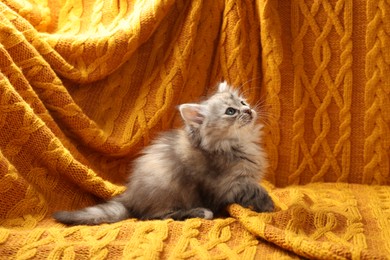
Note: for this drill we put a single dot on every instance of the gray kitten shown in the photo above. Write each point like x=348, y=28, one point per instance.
x=197, y=171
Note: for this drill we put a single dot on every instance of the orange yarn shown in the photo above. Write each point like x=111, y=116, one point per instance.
x=84, y=85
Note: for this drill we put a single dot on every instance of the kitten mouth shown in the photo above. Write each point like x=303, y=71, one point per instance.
x=247, y=117
x=246, y=120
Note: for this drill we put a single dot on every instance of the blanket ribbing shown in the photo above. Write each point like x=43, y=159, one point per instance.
x=84, y=85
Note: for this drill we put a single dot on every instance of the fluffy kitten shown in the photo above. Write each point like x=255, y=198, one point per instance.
x=193, y=172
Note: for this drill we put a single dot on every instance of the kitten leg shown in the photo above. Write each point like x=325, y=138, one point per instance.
x=183, y=214
x=248, y=193
x=256, y=197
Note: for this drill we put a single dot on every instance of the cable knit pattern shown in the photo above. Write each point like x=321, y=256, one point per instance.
x=84, y=85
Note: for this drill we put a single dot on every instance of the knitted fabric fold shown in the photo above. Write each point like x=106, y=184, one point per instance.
x=84, y=85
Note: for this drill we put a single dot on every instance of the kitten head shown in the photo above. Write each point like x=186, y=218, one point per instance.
x=221, y=123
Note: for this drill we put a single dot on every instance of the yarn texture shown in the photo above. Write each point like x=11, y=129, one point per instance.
x=85, y=85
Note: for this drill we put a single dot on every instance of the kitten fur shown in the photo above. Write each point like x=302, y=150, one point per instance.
x=214, y=161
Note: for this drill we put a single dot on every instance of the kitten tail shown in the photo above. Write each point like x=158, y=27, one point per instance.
x=109, y=212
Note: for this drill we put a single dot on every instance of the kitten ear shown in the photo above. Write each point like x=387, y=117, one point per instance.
x=193, y=114
x=223, y=87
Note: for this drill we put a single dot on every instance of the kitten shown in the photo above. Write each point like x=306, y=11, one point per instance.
x=197, y=171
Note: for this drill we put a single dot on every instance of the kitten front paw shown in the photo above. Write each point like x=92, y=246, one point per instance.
x=256, y=198
x=265, y=204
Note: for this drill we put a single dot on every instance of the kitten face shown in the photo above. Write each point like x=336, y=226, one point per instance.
x=227, y=109
x=222, y=121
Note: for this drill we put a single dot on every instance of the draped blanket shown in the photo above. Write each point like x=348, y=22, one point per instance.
x=84, y=85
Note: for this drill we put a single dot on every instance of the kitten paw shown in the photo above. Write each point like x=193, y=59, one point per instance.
x=266, y=205
x=256, y=198
x=200, y=213
x=190, y=213
x=208, y=214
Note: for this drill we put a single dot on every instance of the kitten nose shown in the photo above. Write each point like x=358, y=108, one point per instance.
x=247, y=111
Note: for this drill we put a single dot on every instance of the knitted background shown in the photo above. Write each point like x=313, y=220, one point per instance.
x=84, y=85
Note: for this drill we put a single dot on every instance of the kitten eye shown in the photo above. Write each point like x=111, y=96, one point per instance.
x=230, y=111
x=243, y=103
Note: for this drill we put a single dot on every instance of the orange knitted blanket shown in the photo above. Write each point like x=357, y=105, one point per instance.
x=84, y=85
